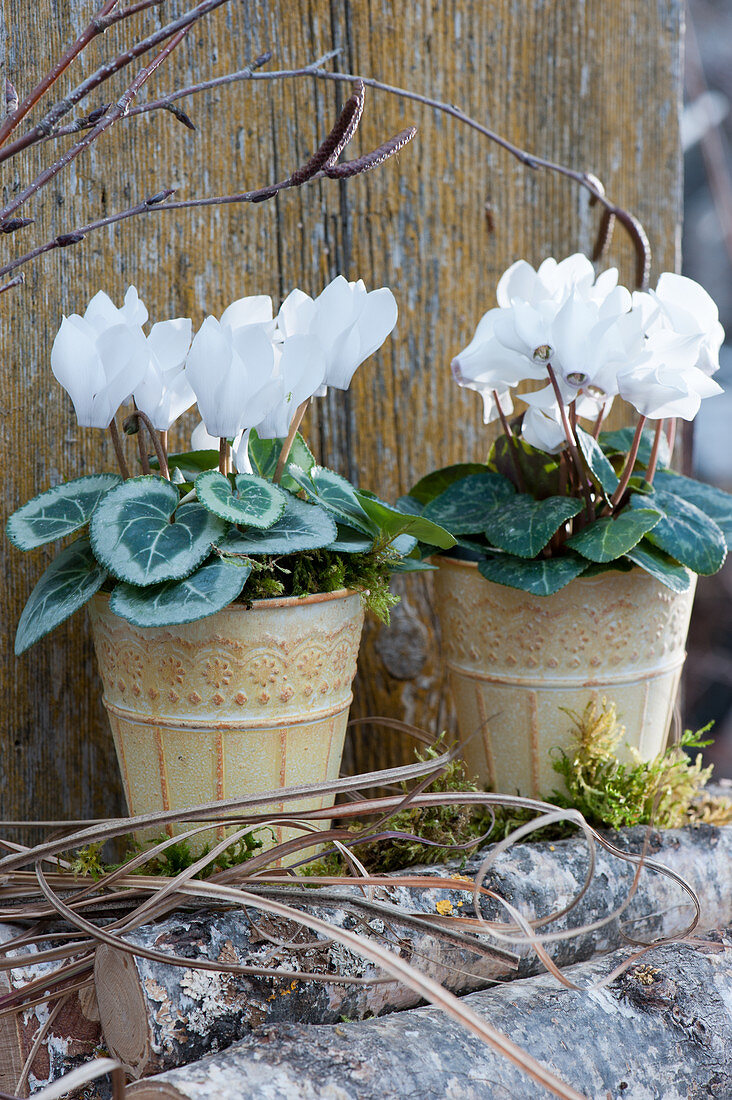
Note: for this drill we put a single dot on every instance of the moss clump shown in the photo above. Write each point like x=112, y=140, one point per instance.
x=665, y=791
x=312, y=571
x=171, y=861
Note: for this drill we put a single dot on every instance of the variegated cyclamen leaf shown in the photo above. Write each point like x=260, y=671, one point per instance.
x=541, y=576
x=523, y=526
x=464, y=507
x=661, y=566
x=392, y=523
x=686, y=533
x=598, y=461
x=338, y=495
x=212, y=587
x=59, y=511
x=302, y=526
x=71, y=579
x=136, y=535
x=612, y=536
x=714, y=502
x=251, y=502
x=264, y=455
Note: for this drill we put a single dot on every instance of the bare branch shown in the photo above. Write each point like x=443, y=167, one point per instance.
x=13, y=282
x=329, y=151
x=108, y=119
x=371, y=160
x=104, y=72
x=11, y=98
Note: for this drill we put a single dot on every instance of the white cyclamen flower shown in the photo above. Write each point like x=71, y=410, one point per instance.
x=300, y=372
x=101, y=357
x=231, y=367
x=687, y=309
x=164, y=393
x=667, y=383
x=349, y=322
x=202, y=441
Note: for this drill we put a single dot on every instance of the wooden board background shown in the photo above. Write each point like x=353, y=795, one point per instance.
x=594, y=84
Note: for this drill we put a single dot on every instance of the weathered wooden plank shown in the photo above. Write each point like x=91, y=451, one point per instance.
x=663, y=1030
x=593, y=84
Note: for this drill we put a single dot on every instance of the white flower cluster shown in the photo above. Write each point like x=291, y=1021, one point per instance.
x=247, y=370
x=656, y=349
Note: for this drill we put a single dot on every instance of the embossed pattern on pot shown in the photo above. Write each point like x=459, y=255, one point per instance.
x=244, y=701
x=514, y=660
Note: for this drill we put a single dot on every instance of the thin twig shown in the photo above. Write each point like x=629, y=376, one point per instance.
x=108, y=119
x=48, y=123
x=287, y=446
x=17, y=281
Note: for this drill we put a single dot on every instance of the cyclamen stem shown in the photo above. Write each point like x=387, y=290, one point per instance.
x=598, y=424
x=144, y=460
x=672, y=435
x=512, y=444
x=223, y=456
x=287, y=446
x=653, y=461
x=163, y=437
x=154, y=439
x=572, y=444
x=629, y=464
x=118, y=449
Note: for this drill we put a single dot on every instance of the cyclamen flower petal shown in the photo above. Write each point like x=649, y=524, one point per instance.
x=232, y=372
x=165, y=393
x=543, y=431
x=202, y=441
x=301, y=370
x=99, y=364
x=689, y=310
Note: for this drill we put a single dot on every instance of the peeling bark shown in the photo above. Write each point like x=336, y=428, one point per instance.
x=72, y=1038
x=157, y=1016
x=662, y=1030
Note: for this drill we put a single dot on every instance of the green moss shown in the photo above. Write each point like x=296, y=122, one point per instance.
x=312, y=571
x=663, y=791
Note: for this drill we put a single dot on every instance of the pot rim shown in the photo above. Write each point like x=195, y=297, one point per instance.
x=275, y=601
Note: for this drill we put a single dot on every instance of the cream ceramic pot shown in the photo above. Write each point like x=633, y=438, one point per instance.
x=243, y=701
x=514, y=660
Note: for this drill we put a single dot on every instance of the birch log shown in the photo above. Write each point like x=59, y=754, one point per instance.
x=157, y=1016
x=663, y=1030
x=72, y=1037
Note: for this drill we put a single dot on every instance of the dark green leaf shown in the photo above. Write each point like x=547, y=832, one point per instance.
x=618, y=442
x=264, y=455
x=410, y=565
x=713, y=502
x=335, y=493
x=59, y=511
x=430, y=486
x=523, y=526
x=392, y=523
x=686, y=533
x=464, y=508
x=71, y=579
x=254, y=502
x=351, y=541
x=597, y=461
x=540, y=471
x=610, y=537
x=410, y=504
x=133, y=533
x=660, y=565
x=302, y=526
x=189, y=463
x=212, y=587
x=542, y=576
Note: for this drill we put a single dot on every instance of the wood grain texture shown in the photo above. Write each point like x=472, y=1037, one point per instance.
x=593, y=84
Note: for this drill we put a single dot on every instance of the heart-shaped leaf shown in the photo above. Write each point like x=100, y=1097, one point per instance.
x=430, y=486
x=542, y=577
x=523, y=526
x=715, y=503
x=264, y=455
x=302, y=526
x=598, y=462
x=686, y=533
x=326, y=487
x=213, y=586
x=465, y=506
x=252, y=502
x=71, y=579
x=392, y=523
x=135, y=535
x=59, y=511
x=660, y=565
x=612, y=536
